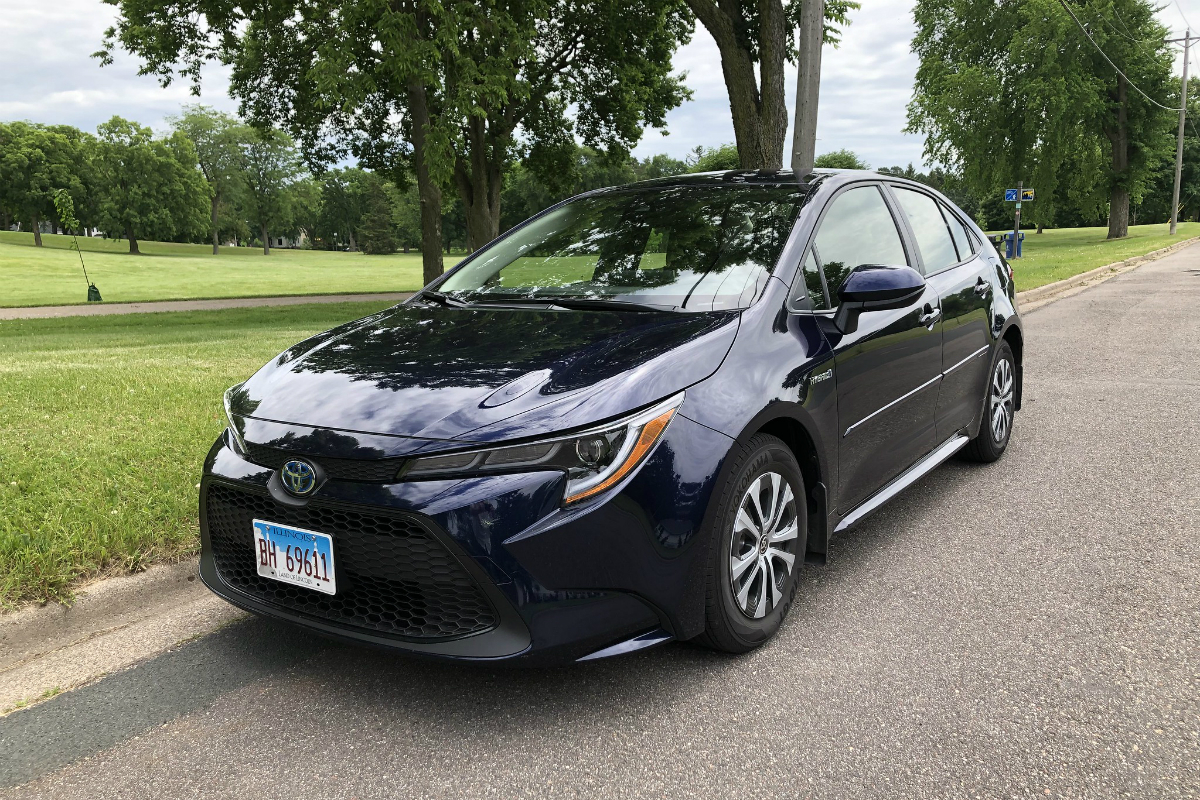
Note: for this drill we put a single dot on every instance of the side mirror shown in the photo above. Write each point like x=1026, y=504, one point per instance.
x=873, y=287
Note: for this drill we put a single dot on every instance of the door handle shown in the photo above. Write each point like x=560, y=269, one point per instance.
x=930, y=317
x=982, y=288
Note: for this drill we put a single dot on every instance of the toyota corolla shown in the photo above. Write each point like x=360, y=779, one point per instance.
x=627, y=421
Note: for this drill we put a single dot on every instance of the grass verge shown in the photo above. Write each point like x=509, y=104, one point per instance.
x=105, y=424
x=51, y=275
x=1059, y=254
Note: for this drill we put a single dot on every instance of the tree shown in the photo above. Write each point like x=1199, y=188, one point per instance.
x=341, y=207
x=714, y=159
x=269, y=167
x=841, y=159
x=1015, y=91
x=218, y=139
x=452, y=91
x=752, y=33
x=660, y=166
x=378, y=230
x=37, y=161
x=148, y=187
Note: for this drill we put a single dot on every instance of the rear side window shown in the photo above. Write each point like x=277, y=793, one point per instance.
x=857, y=229
x=929, y=226
x=962, y=240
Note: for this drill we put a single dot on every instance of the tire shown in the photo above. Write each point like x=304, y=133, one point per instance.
x=995, y=431
x=737, y=623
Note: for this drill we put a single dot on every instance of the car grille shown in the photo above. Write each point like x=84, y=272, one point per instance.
x=392, y=575
x=379, y=470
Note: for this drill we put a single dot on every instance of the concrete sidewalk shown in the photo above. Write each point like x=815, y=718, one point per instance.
x=101, y=309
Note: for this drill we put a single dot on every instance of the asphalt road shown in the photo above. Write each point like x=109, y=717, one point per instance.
x=1028, y=628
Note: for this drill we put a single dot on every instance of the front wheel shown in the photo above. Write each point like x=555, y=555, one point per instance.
x=759, y=541
x=998, y=411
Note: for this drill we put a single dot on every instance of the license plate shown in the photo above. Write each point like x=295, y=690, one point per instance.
x=294, y=555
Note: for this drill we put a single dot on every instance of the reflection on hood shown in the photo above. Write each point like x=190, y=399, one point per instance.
x=445, y=373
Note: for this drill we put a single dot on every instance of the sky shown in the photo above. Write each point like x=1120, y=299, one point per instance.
x=48, y=75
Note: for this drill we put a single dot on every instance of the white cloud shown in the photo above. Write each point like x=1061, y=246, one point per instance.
x=49, y=74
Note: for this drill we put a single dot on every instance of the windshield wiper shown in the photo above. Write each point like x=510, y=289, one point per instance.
x=443, y=299
x=570, y=303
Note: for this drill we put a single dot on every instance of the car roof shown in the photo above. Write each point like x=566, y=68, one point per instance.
x=774, y=177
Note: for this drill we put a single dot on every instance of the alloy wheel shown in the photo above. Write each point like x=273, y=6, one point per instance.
x=1002, y=400
x=762, y=552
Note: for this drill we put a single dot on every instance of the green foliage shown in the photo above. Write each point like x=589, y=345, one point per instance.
x=453, y=90
x=1014, y=91
x=377, y=232
x=147, y=187
x=39, y=161
x=218, y=139
x=841, y=159
x=269, y=168
x=713, y=159
x=341, y=209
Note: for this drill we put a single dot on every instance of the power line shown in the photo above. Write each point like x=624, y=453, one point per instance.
x=1100, y=50
x=1179, y=8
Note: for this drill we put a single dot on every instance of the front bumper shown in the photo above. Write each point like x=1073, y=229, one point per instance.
x=483, y=568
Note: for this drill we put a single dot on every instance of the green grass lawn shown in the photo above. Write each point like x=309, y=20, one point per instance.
x=104, y=426
x=1057, y=254
x=51, y=275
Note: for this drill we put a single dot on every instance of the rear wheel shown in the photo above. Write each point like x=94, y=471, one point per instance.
x=998, y=411
x=760, y=536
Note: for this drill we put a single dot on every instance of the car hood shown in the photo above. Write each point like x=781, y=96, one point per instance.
x=469, y=375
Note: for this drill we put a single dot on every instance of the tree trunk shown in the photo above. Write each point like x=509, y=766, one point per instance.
x=266, y=242
x=478, y=180
x=353, y=244
x=1039, y=229
x=760, y=115
x=37, y=231
x=1118, y=198
x=133, y=242
x=216, y=238
x=429, y=193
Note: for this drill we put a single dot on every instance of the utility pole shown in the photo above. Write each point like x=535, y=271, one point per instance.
x=1187, y=40
x=808, y=86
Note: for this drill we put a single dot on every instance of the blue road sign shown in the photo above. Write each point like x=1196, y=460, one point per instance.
x=1010, y=195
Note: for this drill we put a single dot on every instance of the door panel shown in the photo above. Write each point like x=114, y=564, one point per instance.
x=966, y=297
x=887, y=381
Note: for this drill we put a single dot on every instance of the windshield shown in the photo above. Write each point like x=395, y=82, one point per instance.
x=697, y=248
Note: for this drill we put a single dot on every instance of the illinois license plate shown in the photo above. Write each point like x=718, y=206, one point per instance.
x=294, y=555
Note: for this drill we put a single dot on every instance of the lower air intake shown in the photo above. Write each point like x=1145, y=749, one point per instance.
x=393, y=576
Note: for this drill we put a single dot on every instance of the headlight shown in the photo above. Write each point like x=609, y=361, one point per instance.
x=594, y=460
x=233, y=428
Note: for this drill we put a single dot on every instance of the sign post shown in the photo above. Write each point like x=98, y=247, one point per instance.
x=1017, y=222
x=1016, y=196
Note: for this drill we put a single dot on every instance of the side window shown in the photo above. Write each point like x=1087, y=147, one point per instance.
x=961, y=239
x=928, y=225
x=857, y=229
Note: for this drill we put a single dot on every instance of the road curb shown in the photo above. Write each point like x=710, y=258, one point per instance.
x=113, y=624
x=1042, y=295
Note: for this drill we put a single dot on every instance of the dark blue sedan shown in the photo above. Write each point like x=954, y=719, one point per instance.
x=627, y=421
